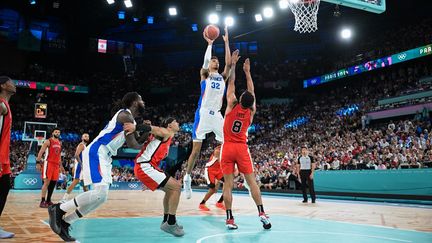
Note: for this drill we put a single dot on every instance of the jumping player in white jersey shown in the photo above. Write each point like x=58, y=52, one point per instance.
x=208, y=117
x=97, y=167
x=77, y=175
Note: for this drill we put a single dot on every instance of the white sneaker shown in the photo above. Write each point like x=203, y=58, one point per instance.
x=265, y=220
x=187, y=187
x=172, y=229
x=5, y=234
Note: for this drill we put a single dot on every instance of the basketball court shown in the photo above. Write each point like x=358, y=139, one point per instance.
x=135, y=216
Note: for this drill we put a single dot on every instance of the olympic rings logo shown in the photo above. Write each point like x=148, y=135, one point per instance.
x=133, y=185
x=402, y=56
x=30, y=181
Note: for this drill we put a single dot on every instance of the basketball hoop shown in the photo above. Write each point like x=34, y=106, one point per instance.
x=305, y=13
x=40, y=140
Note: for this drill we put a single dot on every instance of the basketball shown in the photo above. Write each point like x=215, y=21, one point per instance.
x=212, y=32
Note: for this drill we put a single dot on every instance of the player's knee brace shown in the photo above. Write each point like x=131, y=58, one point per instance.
x=99, y=194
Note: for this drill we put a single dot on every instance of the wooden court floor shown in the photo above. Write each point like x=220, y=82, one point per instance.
x=23, y=216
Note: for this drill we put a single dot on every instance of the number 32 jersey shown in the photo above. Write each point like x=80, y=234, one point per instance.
x=212, y=92
x=236, y=125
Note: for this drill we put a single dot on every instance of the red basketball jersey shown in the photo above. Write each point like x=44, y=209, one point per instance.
x=153, y=151
x=54, y=151
x=5, y=134
x=213, y=164
x=236, y=125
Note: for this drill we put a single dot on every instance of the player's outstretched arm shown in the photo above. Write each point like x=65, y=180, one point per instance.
x=231, y=97
x=160, y=132
x=227, y=67
x=207, y=56
x=249, y=81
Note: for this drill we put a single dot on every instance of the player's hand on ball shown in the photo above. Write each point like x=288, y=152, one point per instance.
x=235, y=56
x=209, y=41
x=129, y=128
x=246, y=66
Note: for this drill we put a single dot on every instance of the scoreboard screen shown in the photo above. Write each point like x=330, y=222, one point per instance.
x=41, y=110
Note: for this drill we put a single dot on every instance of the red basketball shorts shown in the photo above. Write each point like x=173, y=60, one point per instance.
x=50, y=171
x=236, y=153
x=150, y=176
x=211, y=175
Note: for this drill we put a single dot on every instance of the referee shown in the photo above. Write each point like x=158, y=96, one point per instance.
x=306, y=166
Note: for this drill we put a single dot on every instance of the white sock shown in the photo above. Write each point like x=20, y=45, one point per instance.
x=71, y=218
x=87, y=201
x=68, y=206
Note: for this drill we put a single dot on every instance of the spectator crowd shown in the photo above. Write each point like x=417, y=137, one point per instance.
x=336, y=141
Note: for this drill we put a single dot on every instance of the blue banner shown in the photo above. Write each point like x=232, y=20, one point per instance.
x=25, y=181
x=370, y=65
x=136, y=185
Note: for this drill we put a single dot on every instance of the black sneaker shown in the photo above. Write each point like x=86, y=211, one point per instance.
x=304, y=201
x=313, y=201
x=55, y=217
x=64, y=234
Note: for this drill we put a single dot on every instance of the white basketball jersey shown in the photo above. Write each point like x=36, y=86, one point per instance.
x=212, y=92
x=112, y=136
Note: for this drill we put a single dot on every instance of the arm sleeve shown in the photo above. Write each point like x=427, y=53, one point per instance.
x=207, y=57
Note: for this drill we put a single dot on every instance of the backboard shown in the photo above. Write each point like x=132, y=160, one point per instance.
x=34, y=130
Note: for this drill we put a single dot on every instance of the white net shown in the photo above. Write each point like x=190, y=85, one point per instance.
x=40, y=140
x=305, y=13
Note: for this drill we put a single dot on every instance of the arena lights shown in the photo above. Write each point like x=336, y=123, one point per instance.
x=213, y=18
x=135, y=19
x=258, y=17
x=194, y=27
x=150, y=19
x=229, y=21
x=283, y=4
x=268, y=12
x=128, y=3
x=110, y=2
x=33, y=2
x=172, y=11
x=346, y=34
